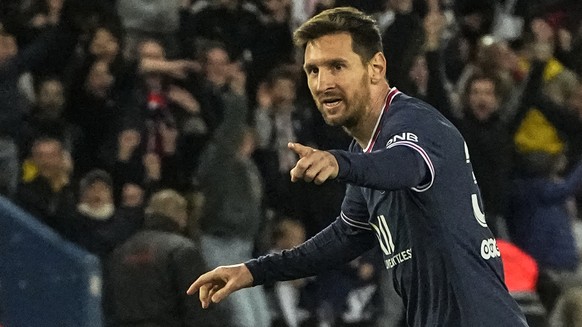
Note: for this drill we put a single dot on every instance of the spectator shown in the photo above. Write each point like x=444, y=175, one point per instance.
x=556, y=83
x=567, y=119
x=99, y=225
x=540, y=223
x=279, y=121
x=276, y=43
x=185, y=98
x=13, y=106
x=220, y=72
x=148, y=169
x=559, y=81
x=104, y=45
x=474, y=21
x=92, y=107
x=47, y=193
x=401, y=26
x=425, y=75
x=231, y=216
x=46, y=117
x=149, y=272
x=489, y=139
x=44, y=14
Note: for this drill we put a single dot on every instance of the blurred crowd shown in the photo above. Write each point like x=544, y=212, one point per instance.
x=153, y=133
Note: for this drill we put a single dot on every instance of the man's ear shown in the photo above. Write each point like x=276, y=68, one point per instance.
x=377, y=68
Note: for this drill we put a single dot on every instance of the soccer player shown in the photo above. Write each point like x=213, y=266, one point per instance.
x=410, y=189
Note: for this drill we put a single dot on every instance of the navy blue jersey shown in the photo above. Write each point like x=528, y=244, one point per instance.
x=441, y=256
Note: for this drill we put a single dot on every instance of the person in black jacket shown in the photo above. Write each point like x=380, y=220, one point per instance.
x=149, y=272
x=49, y=195
x=100, y=225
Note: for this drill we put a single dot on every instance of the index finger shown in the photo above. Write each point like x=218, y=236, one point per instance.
x=300, y=149
x=203, y=279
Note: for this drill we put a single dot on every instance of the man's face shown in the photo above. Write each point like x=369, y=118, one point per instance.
x=51, y=98
x=99, y=79
x=419, y=71
x=48, y=156
x=8, y=48
x=97, y=195
x=283, y=91
x=104, y=44
x=483, y=101
x=338, y=80
x=151, y=50
x=217, y=63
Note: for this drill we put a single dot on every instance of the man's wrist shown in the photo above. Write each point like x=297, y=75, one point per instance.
x=256, y=271
x=343, y=163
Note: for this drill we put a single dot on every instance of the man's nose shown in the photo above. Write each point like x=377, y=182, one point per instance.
x=325, y=81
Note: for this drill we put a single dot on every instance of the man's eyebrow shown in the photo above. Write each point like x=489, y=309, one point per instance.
x=327, y=63
x=308, y=67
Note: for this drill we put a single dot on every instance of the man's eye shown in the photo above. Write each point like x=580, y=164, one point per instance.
x=313, y=71
x=338, y=66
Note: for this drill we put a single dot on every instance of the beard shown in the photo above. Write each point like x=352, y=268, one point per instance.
x=354, y=108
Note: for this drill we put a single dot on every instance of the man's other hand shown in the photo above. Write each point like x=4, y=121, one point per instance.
x=216, y=285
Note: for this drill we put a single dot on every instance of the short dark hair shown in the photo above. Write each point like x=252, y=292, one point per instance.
x=205, y=46
x=366, y=37
x=93, y=176
x=479, y=76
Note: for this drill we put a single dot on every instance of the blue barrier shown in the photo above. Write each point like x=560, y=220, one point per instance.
x=44, y=280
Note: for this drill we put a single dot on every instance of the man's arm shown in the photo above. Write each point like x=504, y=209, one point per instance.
x=393, y=168
x=402, y=164
x=336, y=244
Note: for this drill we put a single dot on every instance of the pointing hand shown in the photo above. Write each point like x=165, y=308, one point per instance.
x=313, y=165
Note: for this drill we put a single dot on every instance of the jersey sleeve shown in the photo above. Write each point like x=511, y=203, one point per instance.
x=422, y=154
x=354, y=211
x=345, y=239
x=337, y=244
x=413, y=143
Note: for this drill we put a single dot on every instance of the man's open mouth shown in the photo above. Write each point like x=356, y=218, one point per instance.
x=332, y=102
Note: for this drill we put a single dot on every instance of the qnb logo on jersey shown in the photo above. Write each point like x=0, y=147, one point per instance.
x=403, y=137
x=489, y=249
